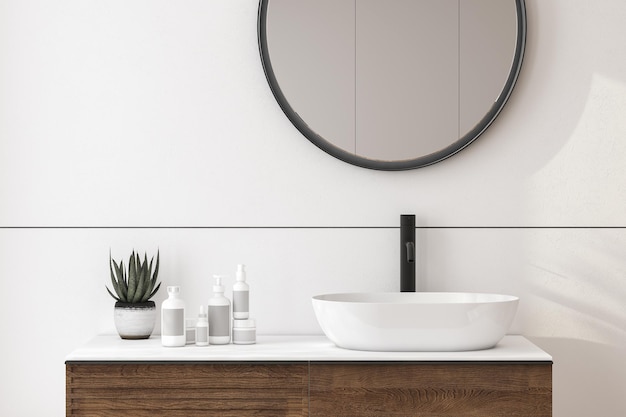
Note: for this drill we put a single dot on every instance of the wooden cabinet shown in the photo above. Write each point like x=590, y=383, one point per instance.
x=308, y=388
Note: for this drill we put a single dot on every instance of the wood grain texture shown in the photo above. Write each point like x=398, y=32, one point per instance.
x=321, y=390
x=178, y=389
x=431, y=390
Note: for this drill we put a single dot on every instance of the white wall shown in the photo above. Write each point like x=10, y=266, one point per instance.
x=156, y=113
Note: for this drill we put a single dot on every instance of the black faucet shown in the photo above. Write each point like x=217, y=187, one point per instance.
x=407, y=253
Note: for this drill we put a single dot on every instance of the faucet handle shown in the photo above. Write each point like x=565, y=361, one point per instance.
x=410, y=252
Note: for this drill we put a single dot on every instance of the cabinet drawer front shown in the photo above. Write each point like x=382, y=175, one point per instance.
x=431, y=390
x=117, y=389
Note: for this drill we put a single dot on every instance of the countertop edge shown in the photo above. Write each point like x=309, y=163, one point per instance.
x=284, y=348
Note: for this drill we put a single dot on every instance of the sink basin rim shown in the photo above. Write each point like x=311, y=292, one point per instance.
x=416, y=298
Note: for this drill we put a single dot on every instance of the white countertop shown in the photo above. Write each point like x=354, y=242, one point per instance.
x=110, y=348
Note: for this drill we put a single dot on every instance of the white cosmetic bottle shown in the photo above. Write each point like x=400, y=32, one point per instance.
x=219, y=315
x=241, y=295
x=173, y=319
x=202, y=328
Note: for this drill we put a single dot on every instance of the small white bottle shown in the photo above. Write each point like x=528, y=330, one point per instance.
x=202, y=328
x=241, y=295
x=173, y=319
x=219, y=315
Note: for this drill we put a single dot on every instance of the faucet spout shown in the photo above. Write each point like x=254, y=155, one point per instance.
x=407, y=253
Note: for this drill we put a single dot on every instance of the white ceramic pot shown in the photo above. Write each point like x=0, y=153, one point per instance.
x=135, y=320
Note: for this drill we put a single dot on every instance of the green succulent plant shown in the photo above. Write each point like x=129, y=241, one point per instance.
x=139, y=283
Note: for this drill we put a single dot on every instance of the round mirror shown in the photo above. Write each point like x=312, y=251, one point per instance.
x=393, y=84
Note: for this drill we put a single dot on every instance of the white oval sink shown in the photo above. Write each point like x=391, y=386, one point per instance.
x=419, y=321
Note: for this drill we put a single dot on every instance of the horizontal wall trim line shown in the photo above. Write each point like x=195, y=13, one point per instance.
x=307, y=227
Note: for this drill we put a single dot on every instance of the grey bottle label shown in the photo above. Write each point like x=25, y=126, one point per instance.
x=241, y=301
x=202, y=334
x=244, y=336
x=219, y=320
x=173, y=322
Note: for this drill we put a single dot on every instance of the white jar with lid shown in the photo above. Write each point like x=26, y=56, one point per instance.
x=244, y=332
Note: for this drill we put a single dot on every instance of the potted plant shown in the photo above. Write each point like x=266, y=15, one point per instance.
x=135, y=314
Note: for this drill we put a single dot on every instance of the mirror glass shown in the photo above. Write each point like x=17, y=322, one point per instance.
x=391, y=84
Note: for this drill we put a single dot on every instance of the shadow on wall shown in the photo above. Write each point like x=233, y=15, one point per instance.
x=589, y=379
x=583, y=183
x=575, y=284
x=568, y=45
x=575, y=306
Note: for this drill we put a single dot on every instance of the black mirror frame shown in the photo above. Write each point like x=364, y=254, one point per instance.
x=398, y=165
